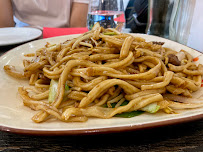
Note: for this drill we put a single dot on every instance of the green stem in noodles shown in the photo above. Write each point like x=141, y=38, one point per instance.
x=53, y=90
x=110, y=33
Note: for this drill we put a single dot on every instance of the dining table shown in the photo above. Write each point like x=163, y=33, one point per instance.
x=179, y=137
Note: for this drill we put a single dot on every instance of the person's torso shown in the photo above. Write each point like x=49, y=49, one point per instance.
x=49, y=13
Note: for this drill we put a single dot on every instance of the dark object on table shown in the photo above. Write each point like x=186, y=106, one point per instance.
x=136, y=15
x=159, y=19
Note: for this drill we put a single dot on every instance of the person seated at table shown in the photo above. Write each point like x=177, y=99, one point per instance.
x=43, y=13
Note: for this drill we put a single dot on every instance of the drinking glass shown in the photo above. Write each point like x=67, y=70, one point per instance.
x=109, y=14
x=159, y=12
x=181, y=20
x=171, y=19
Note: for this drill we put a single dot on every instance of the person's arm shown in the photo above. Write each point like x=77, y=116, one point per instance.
x=78, y=15
x=6, y=13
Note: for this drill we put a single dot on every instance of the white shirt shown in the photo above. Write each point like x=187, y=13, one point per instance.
x=44, y=13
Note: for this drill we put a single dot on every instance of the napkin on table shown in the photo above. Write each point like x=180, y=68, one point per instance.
x=52, y=32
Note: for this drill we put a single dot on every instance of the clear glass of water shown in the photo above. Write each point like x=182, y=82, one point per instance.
x=109, y=14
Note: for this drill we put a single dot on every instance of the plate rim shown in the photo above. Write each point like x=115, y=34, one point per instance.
x=29, y=39
x=103, y=130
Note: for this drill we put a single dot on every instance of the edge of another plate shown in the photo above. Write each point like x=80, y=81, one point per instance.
x=26, y=40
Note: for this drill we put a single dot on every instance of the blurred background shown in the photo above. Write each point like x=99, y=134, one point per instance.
x=178, y=20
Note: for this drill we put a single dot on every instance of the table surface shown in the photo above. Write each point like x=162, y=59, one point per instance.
x=186, y=137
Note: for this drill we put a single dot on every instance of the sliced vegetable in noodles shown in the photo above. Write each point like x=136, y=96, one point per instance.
x=110, y=33
x=52, y=90
x=151, y=108
x=66, y=87
x=127, y=114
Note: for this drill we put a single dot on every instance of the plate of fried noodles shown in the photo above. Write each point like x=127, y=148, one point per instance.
x=99, y=81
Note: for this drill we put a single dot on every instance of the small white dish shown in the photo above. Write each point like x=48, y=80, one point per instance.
x=16, y=35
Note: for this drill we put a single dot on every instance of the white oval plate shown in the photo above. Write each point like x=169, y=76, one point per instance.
x=15, y=117
x=16, y=35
